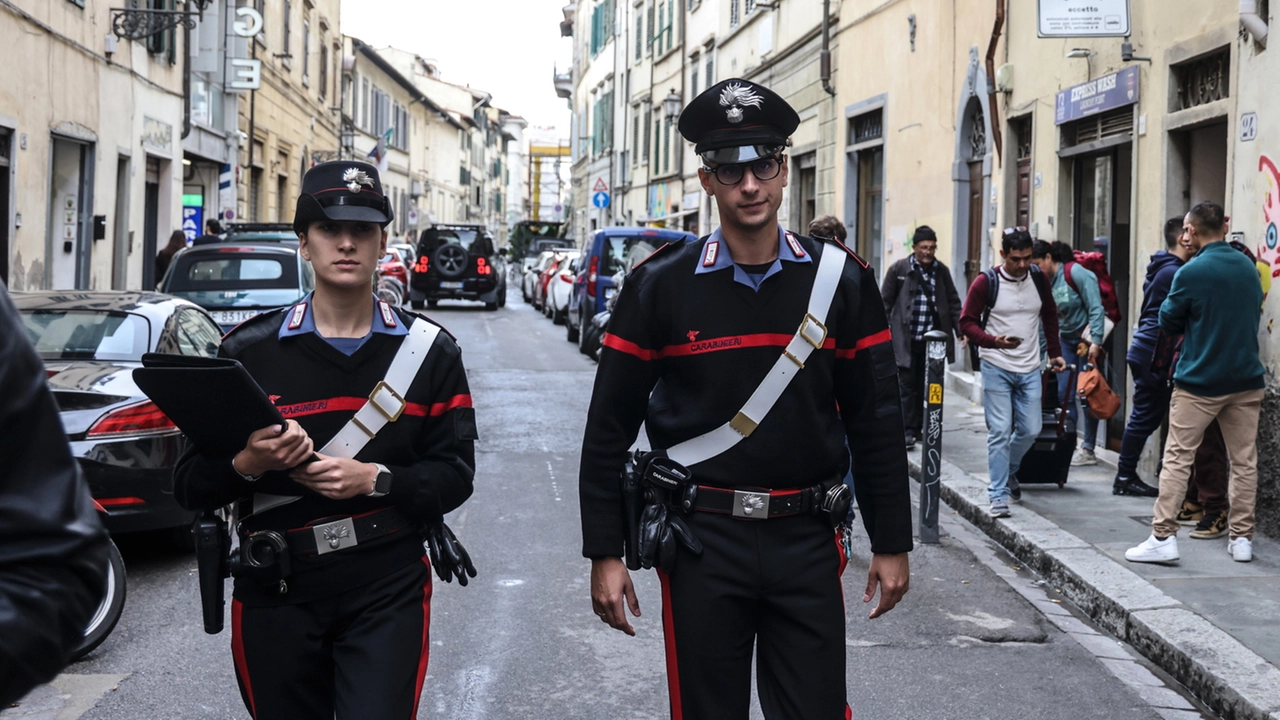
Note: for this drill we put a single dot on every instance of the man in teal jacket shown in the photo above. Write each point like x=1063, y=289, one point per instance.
x=1217, y=305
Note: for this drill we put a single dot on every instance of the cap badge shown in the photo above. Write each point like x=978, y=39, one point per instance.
x=734, y=98
x=355, y=177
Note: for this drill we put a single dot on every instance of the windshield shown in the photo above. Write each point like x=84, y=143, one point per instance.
x=475, y=242
x=87, y=334
x=263, y=236
x=238, y=279
x=623, y=253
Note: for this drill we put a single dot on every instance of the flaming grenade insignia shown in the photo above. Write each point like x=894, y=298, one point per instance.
x=335, y=535
x=734, y=98
x=354, y=178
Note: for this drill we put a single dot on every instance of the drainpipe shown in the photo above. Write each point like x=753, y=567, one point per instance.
x=186, y=81
x=991, y=78
x=1254, y=24
x=824, y=57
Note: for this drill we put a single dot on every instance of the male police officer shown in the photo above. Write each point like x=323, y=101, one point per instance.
x=332, y=604
x=751, y=355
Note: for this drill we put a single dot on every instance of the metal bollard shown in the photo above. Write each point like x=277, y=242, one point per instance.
x=931, y=458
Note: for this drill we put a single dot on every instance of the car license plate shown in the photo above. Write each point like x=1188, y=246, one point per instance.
x=609, y=292
x=232, y=317
x=451, y=285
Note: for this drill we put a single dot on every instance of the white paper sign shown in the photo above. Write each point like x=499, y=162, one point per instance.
x=1083, y=18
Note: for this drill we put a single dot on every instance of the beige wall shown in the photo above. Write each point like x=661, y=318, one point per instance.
x=76, y=92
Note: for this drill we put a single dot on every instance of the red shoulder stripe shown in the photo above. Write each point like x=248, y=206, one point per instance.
x=457, y=401
x=652, y=255
x=852, y=254
x=883, y=336
x=616, y=343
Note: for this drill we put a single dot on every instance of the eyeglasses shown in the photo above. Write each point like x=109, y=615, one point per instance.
x=766, y=168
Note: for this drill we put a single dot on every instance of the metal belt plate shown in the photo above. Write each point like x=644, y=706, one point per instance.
x=336, y=535
x=750, y=505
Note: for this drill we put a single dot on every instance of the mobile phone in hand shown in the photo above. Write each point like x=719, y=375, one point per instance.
x=1013, y=339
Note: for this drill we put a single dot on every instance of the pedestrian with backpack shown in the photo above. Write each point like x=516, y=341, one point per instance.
x=1079, y=302
x=1004, y=311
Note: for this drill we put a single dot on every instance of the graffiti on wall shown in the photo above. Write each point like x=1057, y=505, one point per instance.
x=1269, y=247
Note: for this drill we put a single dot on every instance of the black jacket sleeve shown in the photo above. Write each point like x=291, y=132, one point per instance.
x=53, y=549
x=619, y=403
x=866, y=385
x=441, y=480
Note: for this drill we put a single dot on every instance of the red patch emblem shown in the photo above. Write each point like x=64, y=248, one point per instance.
x=709, y=259
x=693, y=335
x=273, y=398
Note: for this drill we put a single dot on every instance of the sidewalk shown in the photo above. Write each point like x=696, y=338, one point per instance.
x=1210, y=622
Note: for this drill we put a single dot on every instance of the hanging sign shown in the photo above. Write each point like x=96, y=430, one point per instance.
x=1083, y=18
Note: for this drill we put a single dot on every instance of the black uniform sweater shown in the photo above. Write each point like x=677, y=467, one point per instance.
x=429, y=450
x=682, y=354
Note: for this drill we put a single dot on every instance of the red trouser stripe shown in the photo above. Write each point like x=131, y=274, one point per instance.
x=669, y=636
x=237, y=654
x=426, y=638
x=844, y=562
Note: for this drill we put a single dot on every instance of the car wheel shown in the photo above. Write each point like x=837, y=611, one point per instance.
x=502, y=298
x=558, y=316
x=572, y=333
x=416, y=304
x=491, y=306
x=108, y=612
x=582, y=332
x=432, y=303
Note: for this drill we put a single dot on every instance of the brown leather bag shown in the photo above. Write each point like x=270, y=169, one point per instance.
x=1096, y=393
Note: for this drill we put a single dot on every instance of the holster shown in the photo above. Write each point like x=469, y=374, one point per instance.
x=213, y=546
x=632, y=507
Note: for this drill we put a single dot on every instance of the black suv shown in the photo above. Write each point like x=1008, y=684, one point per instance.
x=460, y=262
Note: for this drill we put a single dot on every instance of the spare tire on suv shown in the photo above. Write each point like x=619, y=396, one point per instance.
x=457, y=261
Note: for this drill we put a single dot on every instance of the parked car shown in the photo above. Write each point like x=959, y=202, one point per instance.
x=533, y=272
x=392, y=266
x=560, y=287
x=261, y=232
x=235, y=281
x=544, y=279
x=609, y=251
x=528, y=238
x=459, y=262
x=90, y=342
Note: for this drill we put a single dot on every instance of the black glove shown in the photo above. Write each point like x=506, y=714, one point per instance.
x=660, y=530
x=448, y=556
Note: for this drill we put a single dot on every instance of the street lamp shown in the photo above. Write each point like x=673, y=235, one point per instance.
x=347, y=142
x=671, y=105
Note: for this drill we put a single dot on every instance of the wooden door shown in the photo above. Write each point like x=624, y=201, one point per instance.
x=973, y=261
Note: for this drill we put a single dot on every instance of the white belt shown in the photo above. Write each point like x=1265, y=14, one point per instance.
x=808, y=337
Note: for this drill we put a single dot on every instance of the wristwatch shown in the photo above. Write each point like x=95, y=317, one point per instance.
x=381, y=484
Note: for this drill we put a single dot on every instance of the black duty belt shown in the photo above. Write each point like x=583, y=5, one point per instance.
x=328, y=535
x=750, y=504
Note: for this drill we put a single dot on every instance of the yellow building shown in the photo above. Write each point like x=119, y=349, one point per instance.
x=292, y=121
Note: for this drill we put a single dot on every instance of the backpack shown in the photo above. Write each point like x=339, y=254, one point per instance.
x=993, y=288
x=1097, y=262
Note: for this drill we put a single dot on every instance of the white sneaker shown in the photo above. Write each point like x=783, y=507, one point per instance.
x=999, y=509
x=1083, y=457
x=1154, y=550
x=1241, y=549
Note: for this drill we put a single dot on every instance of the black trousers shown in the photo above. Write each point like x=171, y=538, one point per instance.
x=361, y=654
x=911, y=388
x=772, y=585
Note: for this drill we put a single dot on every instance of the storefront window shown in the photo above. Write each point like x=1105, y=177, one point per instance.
x=1095, y=209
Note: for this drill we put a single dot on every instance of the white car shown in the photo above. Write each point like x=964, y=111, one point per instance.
x=556, y=305
x=528, y=284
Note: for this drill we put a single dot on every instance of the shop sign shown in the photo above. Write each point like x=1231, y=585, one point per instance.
x=1083, y=18
x=157, y=135
x=1105, y=93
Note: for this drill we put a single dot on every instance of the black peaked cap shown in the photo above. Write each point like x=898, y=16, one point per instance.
x=737, y=120
x=342, y=190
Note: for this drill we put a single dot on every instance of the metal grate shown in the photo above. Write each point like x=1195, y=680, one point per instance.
x=1116, y=123
x=867, y=127
x=1203, y=80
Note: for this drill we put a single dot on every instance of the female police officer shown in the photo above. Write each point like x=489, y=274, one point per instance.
x=735, y=352
x=332, y=599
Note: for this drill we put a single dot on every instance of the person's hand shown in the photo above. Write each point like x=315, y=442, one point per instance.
x=337, y=478
x=278, y=447
x=1057, y=364
x=964, y=341
x=893, y=575
x=1004, y=342
x=610, y=585
x=1094, y=351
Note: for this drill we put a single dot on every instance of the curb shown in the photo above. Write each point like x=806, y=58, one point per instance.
x=1230, y=678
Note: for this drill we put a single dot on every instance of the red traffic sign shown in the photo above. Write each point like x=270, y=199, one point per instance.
x=599, y=186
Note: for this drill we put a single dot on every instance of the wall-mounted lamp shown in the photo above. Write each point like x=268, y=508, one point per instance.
x=1080, y=53
x=1126, y=53
x=671, y=105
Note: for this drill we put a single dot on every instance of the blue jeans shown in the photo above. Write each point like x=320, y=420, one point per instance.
x=1067, y=383
x=1011, y=403
x=1150, y=404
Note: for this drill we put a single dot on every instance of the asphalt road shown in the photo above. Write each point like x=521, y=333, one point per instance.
x=971, y=640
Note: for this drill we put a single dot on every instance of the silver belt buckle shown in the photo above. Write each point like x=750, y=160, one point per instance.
x=750, y=505
x=336, y=535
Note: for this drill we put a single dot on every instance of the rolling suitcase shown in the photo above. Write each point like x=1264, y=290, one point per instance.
x=1049, y=458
